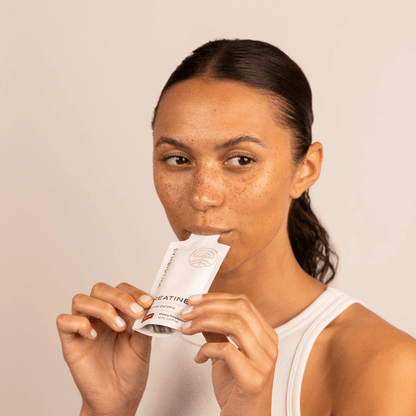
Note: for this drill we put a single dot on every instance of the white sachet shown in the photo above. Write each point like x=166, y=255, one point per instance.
x=188, y=268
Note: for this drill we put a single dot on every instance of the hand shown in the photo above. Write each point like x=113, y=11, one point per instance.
x=111, y=368
x=243, y=376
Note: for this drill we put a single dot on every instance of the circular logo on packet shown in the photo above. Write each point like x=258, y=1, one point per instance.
x=203, y=257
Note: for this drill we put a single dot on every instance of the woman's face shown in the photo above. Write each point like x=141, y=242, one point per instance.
x=223, y=166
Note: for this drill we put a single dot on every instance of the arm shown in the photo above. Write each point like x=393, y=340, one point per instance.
x=384, y=384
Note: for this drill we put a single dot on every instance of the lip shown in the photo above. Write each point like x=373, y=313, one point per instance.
x=208, y=230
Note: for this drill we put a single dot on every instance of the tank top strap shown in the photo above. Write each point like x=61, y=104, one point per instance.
x=326, y=310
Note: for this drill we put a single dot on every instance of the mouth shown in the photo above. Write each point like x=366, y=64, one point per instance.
x=208, y=230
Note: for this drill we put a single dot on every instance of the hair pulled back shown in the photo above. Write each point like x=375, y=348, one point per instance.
x=269, y=70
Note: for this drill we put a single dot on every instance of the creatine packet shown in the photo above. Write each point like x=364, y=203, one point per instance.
x=188, y=268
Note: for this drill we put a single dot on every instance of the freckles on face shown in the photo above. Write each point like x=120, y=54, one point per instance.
x=243, y=187
x=261, y=204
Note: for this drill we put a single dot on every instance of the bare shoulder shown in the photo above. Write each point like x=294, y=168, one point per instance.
x=373, y=365
x=362, y=333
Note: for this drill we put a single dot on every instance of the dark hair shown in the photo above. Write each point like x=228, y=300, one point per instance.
x=269, y=70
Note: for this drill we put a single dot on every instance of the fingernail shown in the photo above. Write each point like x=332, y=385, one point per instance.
x=195, y=298
x=187, y=310
x=186, y=325
x=144, y=298
x=93, y=333
x=136, y=308
x=119, y=322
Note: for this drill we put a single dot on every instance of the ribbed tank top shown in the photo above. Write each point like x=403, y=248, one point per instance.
x=177, y=386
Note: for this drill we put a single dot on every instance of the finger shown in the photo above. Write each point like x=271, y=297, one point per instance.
x=142, y=298
x=120, y=299
x=242, y=370
x=87, y=306
x=244, y=302
x=233, y=326
x=236, y=306
x=69, y=325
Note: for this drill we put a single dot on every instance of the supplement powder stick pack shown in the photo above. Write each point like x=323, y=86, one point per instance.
x=188, y=268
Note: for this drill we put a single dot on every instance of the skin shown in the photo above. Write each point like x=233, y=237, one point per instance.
x=252, y=200
x=359, y=364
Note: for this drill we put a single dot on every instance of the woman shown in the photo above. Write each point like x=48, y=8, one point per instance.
x=233, y=155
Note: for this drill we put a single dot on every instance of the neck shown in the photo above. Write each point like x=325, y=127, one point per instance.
x=274, y=282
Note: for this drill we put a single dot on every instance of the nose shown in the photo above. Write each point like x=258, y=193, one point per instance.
x=206, y=190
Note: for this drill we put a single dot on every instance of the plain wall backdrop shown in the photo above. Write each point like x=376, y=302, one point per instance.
x=78, y=84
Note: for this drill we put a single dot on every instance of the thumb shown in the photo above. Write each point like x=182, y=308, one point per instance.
x=142, y=345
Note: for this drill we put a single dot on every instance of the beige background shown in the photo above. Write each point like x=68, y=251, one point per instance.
x=78, y=84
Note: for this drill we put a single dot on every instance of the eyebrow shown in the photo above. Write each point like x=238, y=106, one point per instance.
x=238, y=140
x=173, y=142
x=229, y=143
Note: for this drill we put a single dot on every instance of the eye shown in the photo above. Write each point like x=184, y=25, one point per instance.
x=176, y=160
x=240, y=160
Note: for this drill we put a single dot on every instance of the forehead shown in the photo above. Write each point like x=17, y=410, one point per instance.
x=210, y=109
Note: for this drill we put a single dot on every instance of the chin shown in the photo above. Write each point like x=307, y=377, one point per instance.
x=229, y=264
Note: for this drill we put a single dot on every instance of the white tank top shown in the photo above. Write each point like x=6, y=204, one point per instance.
x=177, y=386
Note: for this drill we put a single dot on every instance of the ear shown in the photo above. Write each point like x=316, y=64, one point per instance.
x=308, y=171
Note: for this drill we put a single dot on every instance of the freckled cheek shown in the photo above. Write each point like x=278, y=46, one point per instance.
x=263, y=195
x=171, y=194
x=261, y=208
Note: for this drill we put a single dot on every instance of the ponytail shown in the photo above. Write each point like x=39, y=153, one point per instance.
x=310, y=241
